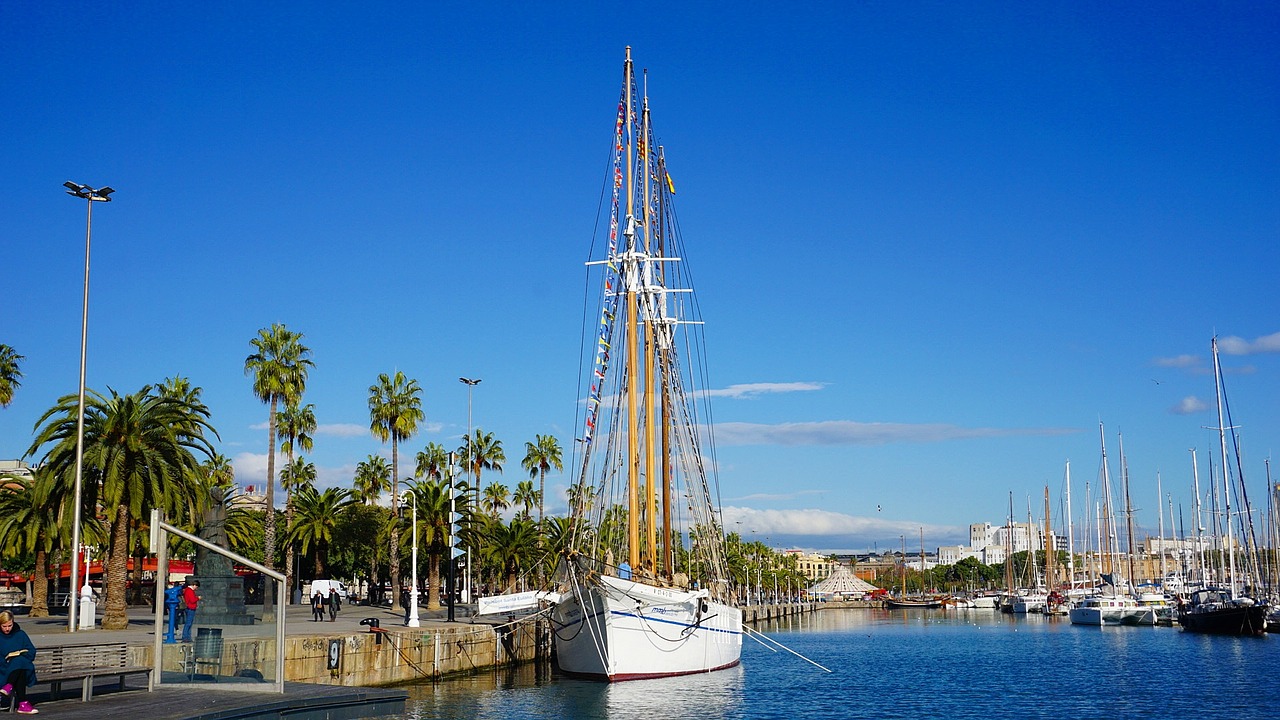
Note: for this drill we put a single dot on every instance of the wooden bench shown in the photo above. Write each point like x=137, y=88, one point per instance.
x=65, y=663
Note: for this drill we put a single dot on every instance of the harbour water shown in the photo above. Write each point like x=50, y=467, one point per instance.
x=912, y=664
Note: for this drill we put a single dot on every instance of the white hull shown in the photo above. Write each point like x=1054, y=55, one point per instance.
x=1029, y=604
x=1104, y=611
x=618, y=630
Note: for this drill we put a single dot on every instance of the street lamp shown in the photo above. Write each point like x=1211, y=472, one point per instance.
x=470, y=383
x=412, y=619
x=90, y=195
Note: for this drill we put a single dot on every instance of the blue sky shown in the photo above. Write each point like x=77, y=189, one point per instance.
x=935, y=245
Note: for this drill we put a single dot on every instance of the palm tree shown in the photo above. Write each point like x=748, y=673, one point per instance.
x=496, y=499
x=372, y=478
x=432, y=498
x=28, y=526
x=296, y=423
x=581, y=499
x=395, y=409
x=539, y=457
x=432, y=462
x=512, y=548
x=317, y=516
x=526, y=497
x=279, y=365
x=480, y=451
x=10, y=374
x=138, y=454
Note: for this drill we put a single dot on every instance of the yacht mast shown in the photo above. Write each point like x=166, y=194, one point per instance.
x=1164, y=573
x=1071, y=539
x=1195, y=480
x=1128, y=513
x=1226, y=489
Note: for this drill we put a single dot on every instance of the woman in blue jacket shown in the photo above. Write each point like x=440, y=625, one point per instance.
x=17, y=663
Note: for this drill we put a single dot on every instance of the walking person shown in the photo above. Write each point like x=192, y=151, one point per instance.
x=17, y=664
x=335, y=604
x=190, y=601
x=317, y=606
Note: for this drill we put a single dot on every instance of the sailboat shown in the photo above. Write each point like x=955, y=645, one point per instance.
x=1225, y=610
x=1111, y=605
x=644, y=591
x=907, y=602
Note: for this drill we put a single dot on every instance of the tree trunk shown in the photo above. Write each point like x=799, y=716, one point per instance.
x=433, y=582
x=269, y=524
x=40, y=587
x=115, y=615
x=289, y=578
x=395, y=521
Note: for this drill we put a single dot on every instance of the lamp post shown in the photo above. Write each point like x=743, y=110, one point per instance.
x=470, y=383
x=453, y=524
x=412, y=620
x=90, y=195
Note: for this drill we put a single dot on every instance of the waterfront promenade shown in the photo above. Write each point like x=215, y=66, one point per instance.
x=183, y=702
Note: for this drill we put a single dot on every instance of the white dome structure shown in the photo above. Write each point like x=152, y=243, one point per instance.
x=842, y=582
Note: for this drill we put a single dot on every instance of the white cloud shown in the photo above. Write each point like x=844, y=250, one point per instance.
x=1189, y=405
x=250, y=468
x=1239, y=346
x=1181, y=361
x=848, y=432
x=749, y=390
x=781, y=496
x=342, y=429
x=829, y=531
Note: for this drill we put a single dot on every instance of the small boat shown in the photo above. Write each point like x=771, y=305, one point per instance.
x=1103, y=610
x=1217, y=611
x=1028, y=602
x=1153, y=609
x=984, y=602
x=908, y=603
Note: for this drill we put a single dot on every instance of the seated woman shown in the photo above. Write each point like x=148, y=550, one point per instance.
x=17, y=663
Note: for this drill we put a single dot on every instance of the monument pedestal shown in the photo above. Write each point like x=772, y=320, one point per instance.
x=222, y=601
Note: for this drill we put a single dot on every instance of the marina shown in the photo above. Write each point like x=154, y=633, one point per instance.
x=915, y=663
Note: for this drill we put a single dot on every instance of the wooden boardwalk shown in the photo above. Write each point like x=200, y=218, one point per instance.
x=300, y=701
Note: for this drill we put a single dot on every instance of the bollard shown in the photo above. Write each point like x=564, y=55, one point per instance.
x=88, y=609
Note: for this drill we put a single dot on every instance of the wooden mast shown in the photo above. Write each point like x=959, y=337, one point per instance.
x=650, y=413
x=664, y=367
x=633, y=364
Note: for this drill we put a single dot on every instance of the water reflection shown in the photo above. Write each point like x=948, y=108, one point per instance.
x=532, y=691
x=962, y=666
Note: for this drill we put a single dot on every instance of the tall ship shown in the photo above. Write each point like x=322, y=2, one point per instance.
x=643, y=590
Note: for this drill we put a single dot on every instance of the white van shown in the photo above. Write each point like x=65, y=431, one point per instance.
x=323, y=586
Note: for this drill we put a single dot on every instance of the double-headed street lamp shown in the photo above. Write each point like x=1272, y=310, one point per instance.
x=470, y=383
x=90, y=195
